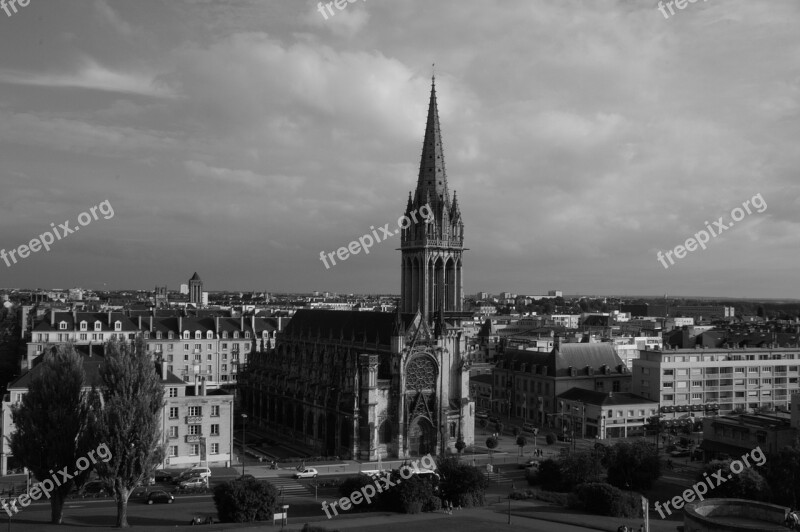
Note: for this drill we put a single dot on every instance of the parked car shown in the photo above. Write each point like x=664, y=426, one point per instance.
x=564, y=437
x=202, y=472
x=96, y=487
x=160, y=496
x=529, y=463
x=306, y=472
x=193, y=482
x=161, y=475
x=680, y=453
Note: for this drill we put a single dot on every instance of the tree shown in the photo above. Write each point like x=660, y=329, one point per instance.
x=747, y=484
x=522, y=441
x=491, y=444
x=462, y=484
x=550, y=439
x=515, y=431
x=128, y=421
x=460, y=446
x=482, y=423
x=782, y=473
x=51, y=423
x=245, y=500
x=498, y=428
x=632, y=465
x=579, y=468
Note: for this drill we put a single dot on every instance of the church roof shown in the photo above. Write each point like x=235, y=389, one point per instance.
x=346, y=324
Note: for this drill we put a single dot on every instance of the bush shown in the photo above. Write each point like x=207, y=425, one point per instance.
x=549, y=476
x=412, y=496
x=355, y=483
x=600, y=498
x=632, y=465
x=243, y=501
x=550, y=439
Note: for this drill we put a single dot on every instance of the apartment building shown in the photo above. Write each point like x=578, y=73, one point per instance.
x=701, y=382
x=628, y=347
x=527, y=383
x=197, y=424
x=207, y=349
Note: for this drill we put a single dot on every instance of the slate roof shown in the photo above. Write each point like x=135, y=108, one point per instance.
x=592, y=397
x=577, y=356
x=346, y=324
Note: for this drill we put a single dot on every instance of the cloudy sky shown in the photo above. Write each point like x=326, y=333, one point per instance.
x=240, y=138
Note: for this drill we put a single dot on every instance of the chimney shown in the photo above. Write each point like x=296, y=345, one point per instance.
x=151, y=324
x=52, y=317
x=109, y=318
x=196, y=386
x=216, y=325
x=180, y=326
x=241, y=322
x=253, y=323
x=140, y=322
x=75, y=319
x=203, y=388
x=163, y=370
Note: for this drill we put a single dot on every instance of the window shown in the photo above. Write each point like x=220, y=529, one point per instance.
x=224, y=367
x=195, y=410
x=185, y=347
x=630, y=413
x=682, y=372
x=185, y=335
x=682, y=384
x=84, y=336
x=62, y=326
x=645, y=384
x=117, y=325
x=198, y=335
x=752, y=381
x=208, y=370
x=224, y=345
x=739, y=370
x=83, y=326
x=766, y=381
x=697, y=383
x=224, y=337
x=170, y=335
x=195, y=430
x=668, y=385
x=173, y=432
x=173, y=450
x=752, y=369
x=214, y=448
x=669, y=372
x=669, y=397
x=210, y=356
x=158, y=335
x=209, y=336
x=98, y=326
x=215, y=430
x=194, y=449
x=198, y=347
x=215, y=410
x=198, y=358
x=186, y=356
x=236, y=334
x=645, y=371
x=697, y=396
x=173, y=392
x=452, y=430
x=173, y=412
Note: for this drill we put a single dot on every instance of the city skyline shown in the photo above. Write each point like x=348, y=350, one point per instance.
x=241, y=140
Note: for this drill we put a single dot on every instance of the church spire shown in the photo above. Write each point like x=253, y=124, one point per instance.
x=432, y=177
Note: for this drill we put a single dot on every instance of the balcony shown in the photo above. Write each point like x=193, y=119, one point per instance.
x=194, y=420
x=193, y=438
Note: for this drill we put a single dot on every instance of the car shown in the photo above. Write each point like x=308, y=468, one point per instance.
x=306, y=472
x=160, y=496
x=96, y=487
x=680, y=453
x=161, y=475
x=564, y=437
x=202, y=472
x=529, y=463
x=193, y=482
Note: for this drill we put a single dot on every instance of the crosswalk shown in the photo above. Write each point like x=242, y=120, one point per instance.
x=290, y=486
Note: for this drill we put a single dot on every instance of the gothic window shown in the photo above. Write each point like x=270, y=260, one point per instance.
x=421, y=374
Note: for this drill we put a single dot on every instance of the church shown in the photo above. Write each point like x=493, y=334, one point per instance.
x=369, y=385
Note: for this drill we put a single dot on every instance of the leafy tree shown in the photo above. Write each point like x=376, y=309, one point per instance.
x=550, y=439
x=604, y=499
x=491, y=444
x=460, y=446
x=245, y=500
x=632, y=465
x=498, y=428
x=782, y=473
x=748, y=484
x=355, y=483
x=51, y=424
x=129, y=419
x=549, y=475
x=462, y=484
x=579, y=468
x=522, y=441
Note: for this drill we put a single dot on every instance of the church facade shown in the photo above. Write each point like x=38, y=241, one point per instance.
x=365, y=385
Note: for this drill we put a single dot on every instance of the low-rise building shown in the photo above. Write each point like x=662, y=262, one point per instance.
x=735, y=435
x=590, y=414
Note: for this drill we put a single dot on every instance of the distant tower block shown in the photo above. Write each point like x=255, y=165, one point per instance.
x=196, y=290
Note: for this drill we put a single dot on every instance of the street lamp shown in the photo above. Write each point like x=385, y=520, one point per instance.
x=244, y=449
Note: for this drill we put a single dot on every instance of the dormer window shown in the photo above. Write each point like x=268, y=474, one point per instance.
x=198, y=335
x=158, y=335
x=84, y=325
x=117, y=325
x=186, y=335
x=98, y=326
x=147, y=337
x=209, y=335
x=236, y=334
x=224, y=335
x=247, y=334
x=171, y=335
x=62, y=326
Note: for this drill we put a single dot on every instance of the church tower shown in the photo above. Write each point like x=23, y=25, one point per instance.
x=432, y=245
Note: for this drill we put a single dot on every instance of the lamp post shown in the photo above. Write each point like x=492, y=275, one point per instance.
x=244, y=422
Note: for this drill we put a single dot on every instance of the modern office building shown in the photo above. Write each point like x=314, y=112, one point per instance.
x=700, y=382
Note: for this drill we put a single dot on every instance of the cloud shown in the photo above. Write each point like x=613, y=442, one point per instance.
x=90, y=75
